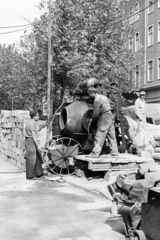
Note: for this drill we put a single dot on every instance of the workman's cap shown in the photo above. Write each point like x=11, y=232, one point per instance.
x=142, y=93
x=91, y=82
x=92, y=90
x=32, y=113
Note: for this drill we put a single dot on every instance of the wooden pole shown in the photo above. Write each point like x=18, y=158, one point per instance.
x=49, y=73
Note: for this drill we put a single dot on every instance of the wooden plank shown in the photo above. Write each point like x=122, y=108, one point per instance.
x=111, y=166
x=124, y=158
x=92, y=166
x=101, y=159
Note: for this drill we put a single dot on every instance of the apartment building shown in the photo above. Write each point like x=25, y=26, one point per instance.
x=144, y=16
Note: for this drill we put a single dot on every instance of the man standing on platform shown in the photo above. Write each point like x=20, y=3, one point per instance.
x=105, y=126
x=140, y=110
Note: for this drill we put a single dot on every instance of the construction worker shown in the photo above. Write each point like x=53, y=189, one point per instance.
x=33, y=149
x=140, y=108
x=102, y=112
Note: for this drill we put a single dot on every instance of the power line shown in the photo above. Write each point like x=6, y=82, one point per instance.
x=148, y=51
x=130, y=15
x=142, y=52
x=115, y=23
x=16, y=26
x=14, y=31
x=101, y=28
x=139, y=11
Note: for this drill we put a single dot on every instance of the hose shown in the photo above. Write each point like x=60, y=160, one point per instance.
x=90, y=134
x=111, y=199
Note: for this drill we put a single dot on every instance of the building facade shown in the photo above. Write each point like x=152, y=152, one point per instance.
x=144, y=16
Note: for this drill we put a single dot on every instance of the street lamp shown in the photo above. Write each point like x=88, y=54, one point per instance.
x=13, y=100
x=20, y=97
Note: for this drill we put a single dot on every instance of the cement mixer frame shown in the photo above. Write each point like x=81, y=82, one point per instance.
x=72, y=134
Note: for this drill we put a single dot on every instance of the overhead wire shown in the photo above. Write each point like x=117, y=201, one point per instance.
x=101, y=28
x=108, y=25
x=14, y=31
x=140, y=53
x=133, y=14
x=122, y=20
x=24, y=25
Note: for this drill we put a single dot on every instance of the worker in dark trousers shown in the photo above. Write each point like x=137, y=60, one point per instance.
x=33, y=149
x=105, y=127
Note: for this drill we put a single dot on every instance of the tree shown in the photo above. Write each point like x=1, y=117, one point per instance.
x=11, y=75
x=89, y=40
x=23, y=68
x=33, y=47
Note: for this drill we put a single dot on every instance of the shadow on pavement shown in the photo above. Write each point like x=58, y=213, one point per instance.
x=116, y=223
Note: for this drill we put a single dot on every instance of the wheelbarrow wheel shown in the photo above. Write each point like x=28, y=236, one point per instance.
x=54, y=138
x=61, y=154
x=139, y=235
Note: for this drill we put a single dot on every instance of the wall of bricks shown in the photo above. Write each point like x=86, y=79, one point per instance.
x=12, y=124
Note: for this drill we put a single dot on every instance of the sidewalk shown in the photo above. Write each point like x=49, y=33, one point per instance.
x=50, y=208
x=94, y=186
x=7, y=167
x=97, y=187
x=12, y=178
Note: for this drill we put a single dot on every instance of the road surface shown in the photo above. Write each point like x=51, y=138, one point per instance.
x=52, y=210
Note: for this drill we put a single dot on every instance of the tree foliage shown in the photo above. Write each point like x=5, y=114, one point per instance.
x=89, y=40
x=24, y=69
x=33, y=47
x=12, y=74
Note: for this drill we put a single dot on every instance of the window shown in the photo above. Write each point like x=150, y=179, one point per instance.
x=158, y=68
x=158, y=31
x=150, y=6
x=137, y=75
x=131, y=43
x=150, y=36
x=131, y=19
x=137, y=42
x=136, y=7
x=131, y=11
x=137, y=11
x=150, y=70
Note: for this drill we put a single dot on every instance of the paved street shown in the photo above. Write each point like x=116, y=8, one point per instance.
x=44, y=209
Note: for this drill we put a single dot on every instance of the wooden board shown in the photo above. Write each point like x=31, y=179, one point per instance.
x=121, y=158
x=123, y=161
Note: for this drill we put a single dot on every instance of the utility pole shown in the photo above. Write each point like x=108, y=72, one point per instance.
x=49, y=73
x=145, y=45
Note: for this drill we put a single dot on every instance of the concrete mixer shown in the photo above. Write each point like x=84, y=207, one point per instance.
x=72, y=132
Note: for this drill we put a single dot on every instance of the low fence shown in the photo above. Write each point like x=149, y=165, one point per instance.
x=12, y=124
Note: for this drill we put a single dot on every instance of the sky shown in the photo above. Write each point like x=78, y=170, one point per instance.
x=14, y=13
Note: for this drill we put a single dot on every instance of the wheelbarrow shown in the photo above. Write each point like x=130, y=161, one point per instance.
x=130, y=212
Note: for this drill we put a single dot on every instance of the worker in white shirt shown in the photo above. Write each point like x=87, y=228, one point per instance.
x=140, y=107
